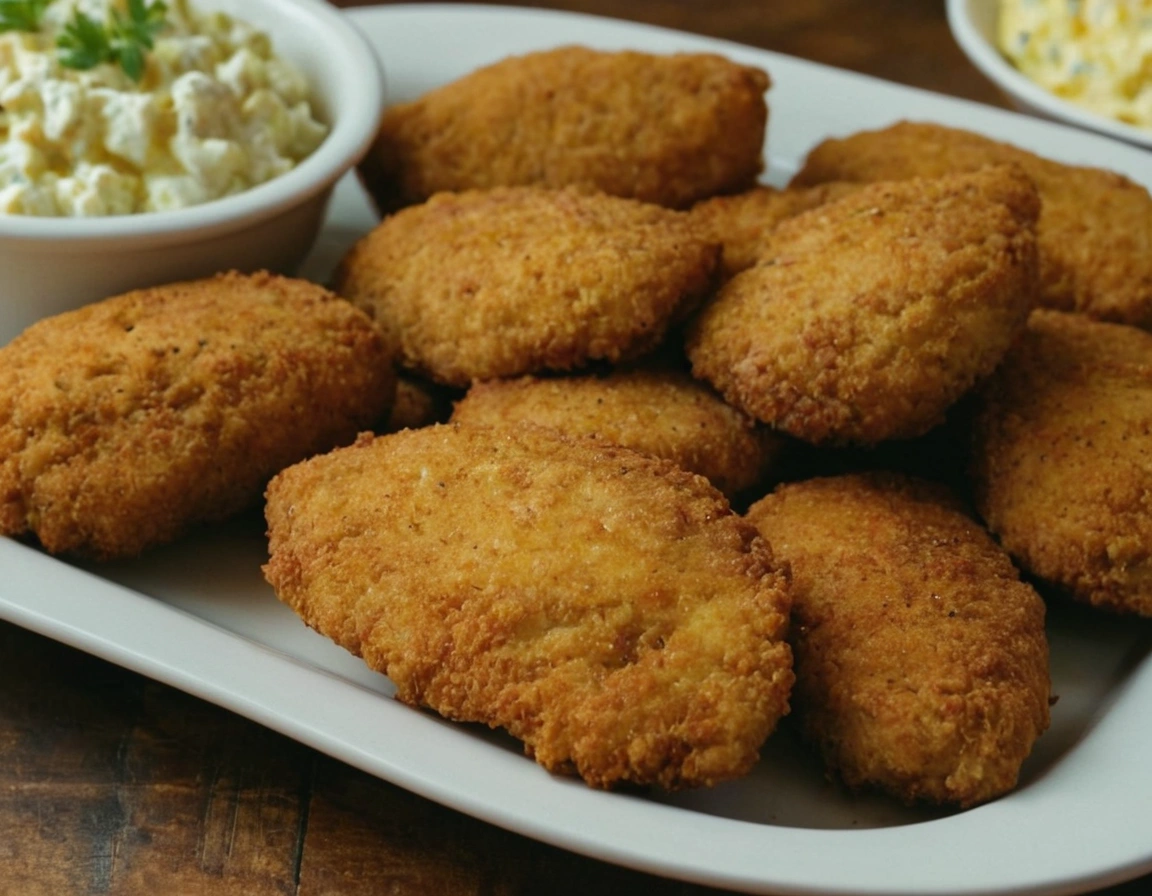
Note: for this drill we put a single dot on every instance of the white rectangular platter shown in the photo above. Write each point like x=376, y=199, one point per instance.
x=199, y=616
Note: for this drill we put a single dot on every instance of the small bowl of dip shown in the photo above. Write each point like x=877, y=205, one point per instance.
x=219, y=152
x=1068, y=61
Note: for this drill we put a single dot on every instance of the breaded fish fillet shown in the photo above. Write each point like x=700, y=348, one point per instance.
x=606, y=608
x=509, y=281
x=868, y=316
x=1095, y=227
x=663, y=129
x=1063, y=458
x=921, y=658
x=124, y=421
x=661, y=412
x=742, y=223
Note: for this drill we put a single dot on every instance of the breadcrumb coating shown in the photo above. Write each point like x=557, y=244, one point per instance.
x=123, y=422
x=663, y=129
x=742, y=223
x=509, y=281
x=868, y=316
x=1095, y=227
x=606, y=608
x=1062, y=459
x=661, y=412
x=921, y=658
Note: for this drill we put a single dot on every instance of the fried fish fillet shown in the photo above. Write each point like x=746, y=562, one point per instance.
x=661, y=412
x=663, y=129
x=503, y=282
x=1062, y=459
x=742, y=223
x=606, y=608
x=921, y=658
x=1095, y=227
x=125, y=421
x=868, y=316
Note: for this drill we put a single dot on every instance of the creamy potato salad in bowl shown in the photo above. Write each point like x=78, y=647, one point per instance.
x=145, y=141
x=1083, y=62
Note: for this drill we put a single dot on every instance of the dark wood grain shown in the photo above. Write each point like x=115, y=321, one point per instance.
x=113, y=784
x=907, y=41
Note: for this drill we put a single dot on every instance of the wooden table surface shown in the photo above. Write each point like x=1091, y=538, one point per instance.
x=113, y=784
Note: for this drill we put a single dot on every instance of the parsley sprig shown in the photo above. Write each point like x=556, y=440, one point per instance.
x=122, y=40
x=21, y=15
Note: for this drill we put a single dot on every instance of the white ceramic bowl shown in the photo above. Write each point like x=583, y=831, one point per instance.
x=49, y=265
x=973, y=24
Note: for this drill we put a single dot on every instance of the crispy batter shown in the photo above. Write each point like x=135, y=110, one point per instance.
x=124, y=421
x=741, y=223
x=664, y=129
x=1095, y=228
x=921, y=658
x=867, y=317
x=607, y=608
x=661, y=412
x=1063, y=458
x=510, y=281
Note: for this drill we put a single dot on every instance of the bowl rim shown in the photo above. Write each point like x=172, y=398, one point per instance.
x=357, y=77
x=982, y=54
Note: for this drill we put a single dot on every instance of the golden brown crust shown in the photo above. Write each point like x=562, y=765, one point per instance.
x=1063, y=458
x=510, y=281
x=663, y=129
x=868, y=316
x=1095, y=227
x=742, y=223
x=607, y=608
x=124, y=421
x=664, y=413
x=921, y=658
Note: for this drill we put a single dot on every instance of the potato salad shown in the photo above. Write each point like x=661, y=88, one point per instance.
x=1095, y=53
x=111, y=107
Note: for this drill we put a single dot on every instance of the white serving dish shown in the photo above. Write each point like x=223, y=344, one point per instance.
x=55, y=264
x=973, y=24
x=198, y=615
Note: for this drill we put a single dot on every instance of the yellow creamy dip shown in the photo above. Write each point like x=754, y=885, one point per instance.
x=1095, y=53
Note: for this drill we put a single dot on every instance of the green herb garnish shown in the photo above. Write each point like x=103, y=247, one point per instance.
x=84, y=43
x=121, y=40
x=21, y=15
